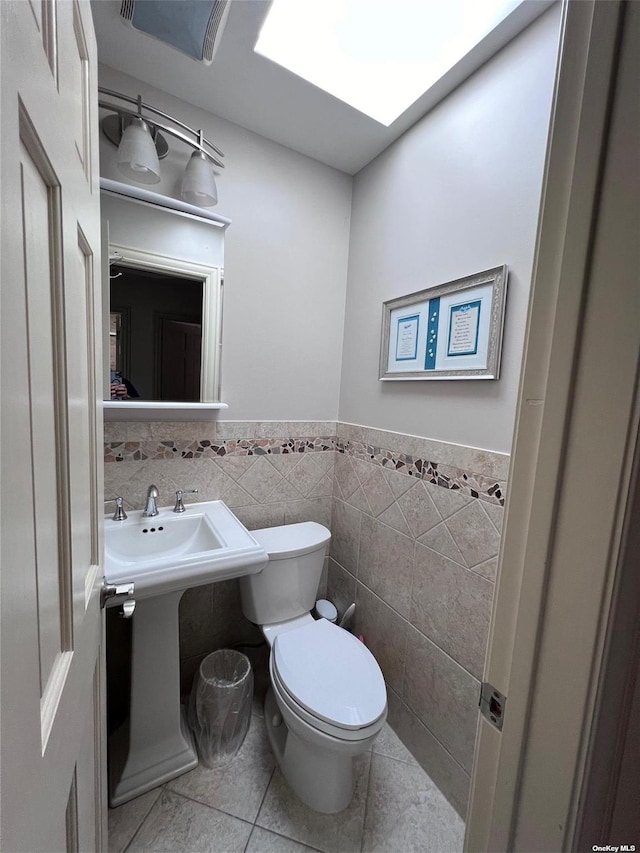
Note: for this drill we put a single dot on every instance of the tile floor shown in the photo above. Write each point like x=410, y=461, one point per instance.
x=247, y=807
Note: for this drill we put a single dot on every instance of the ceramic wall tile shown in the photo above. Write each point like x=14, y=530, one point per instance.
x=488, y=462
x=324, y=580
x=488, y=569
x=188, y=670
x=496, y=514
x=393, y=517
x=284, y=491
x=196, y=621
x=346, y=478
x=385, y=563
x=442, y=694
x=309, y=509
x=419, y=509
x=353, y=432
x=256, y=516
x=229, y=625
x=324, y=487
x=474, y=534
x=272, y=429
x=452, y=606
x=235, y=496
x=447, y=501
x=345, y=535
x=421, y=467
x=236, y=466
x=307, y=473
x=358, y=500
x=384, y=633
x=260, y=480
x=450, y=777
x=440, y=540
x=341, y=587
x=378, y=491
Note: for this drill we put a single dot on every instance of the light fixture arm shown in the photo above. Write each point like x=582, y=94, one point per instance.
x=198, y=142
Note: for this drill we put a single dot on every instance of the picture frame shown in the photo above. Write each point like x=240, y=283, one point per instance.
x=450, y=331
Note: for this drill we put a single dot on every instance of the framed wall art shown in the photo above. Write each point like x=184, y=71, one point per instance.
x=451, y=331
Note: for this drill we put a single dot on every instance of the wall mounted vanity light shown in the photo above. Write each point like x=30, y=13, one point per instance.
x=141, y=146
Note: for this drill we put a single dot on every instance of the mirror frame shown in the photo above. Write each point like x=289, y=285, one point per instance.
x=212, y=285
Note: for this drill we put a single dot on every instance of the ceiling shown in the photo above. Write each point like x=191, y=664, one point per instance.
x=263, y=97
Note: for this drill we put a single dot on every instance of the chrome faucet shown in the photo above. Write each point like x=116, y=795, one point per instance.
x=151, y=507
x=180, y=507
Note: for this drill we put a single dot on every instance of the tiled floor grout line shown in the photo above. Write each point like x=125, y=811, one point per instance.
x=206, y=805
x=249, y=838
x=413, y=763
x=140, y=825
x=366, y=802
x=264, y=797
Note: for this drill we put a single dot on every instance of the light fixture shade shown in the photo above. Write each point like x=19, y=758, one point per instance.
x=137, y=155
x=198, y=183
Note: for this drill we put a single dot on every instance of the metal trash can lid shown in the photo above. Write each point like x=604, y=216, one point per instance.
x=326, y=610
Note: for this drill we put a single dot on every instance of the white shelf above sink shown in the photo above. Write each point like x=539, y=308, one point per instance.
x=145, y=410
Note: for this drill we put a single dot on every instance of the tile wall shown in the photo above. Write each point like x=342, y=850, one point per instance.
x=268, y=473
x=415, y=536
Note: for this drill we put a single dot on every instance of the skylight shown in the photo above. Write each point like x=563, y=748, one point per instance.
x=378, y=56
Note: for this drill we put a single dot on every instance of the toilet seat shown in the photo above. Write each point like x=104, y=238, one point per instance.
x=330, y=679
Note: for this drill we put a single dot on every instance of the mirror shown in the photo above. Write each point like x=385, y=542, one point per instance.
x=164, y=292
x=155, y=335
x=164, y=328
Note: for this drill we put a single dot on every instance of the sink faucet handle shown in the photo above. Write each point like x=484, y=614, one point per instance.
x=119, y=514
x=180, y=507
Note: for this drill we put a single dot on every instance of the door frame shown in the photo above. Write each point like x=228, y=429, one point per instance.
x=563, y=534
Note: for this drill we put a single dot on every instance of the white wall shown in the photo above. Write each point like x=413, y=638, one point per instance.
x=162, y=232
x=285, y=264
x=457, y=194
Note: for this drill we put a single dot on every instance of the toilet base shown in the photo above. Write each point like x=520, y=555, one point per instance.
x=321, y=778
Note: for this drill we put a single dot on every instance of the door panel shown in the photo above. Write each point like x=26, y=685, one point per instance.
x=41, y=243
x=52, y=739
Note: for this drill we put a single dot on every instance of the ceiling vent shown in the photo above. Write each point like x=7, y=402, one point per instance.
x=193, y=27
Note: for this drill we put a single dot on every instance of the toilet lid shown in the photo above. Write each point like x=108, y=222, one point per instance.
x=331, y=674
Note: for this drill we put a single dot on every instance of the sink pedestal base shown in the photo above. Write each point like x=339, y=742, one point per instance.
x=160, y=746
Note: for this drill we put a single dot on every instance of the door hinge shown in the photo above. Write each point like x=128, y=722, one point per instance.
x=492, y=704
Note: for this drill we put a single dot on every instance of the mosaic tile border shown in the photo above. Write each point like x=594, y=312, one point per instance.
x=446, y=476
x=141, y=451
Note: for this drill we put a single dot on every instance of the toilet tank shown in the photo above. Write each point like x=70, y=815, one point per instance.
x=288, y=585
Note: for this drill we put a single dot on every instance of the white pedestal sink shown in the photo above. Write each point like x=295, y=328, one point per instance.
x=163, y=556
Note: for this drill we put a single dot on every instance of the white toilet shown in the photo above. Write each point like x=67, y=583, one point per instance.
x=327, y=700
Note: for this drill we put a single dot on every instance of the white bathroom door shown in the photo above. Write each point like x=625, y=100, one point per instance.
x=52, y=726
